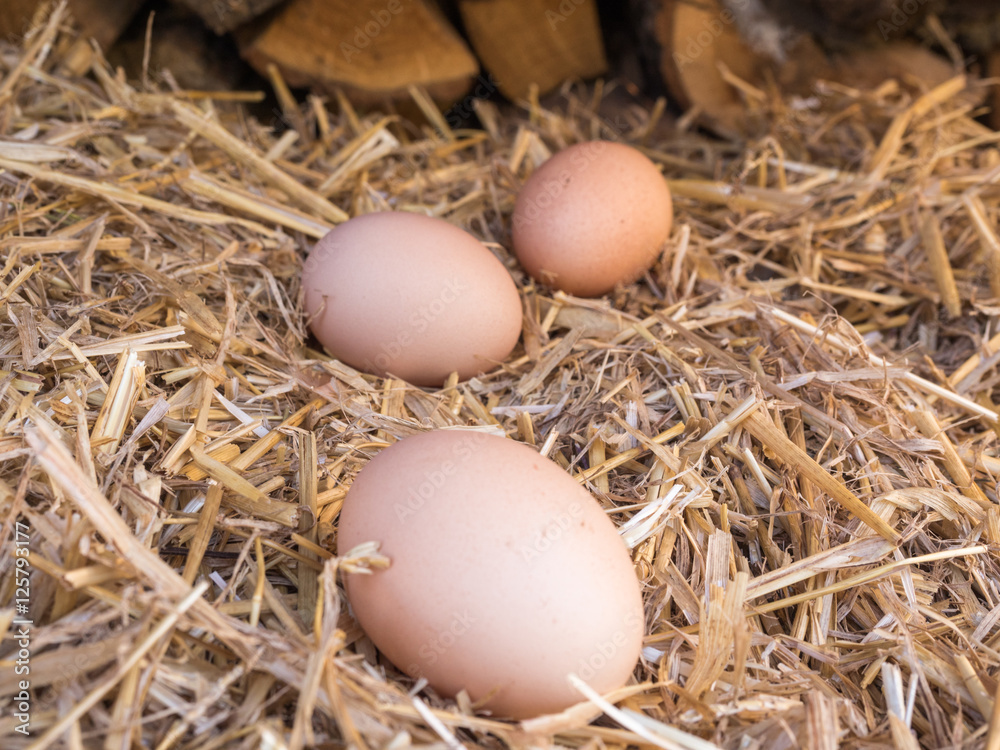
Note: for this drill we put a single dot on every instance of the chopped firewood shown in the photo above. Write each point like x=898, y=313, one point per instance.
x=99, y=20
x=993, y=70
x=372, y=49
x=867, y=67
x=225, y=15
x=523, y=42
x=718, y=63
x=694, y=40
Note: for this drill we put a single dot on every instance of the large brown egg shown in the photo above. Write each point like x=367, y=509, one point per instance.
x=595, y=215
x=410, y=296
x=505, y=577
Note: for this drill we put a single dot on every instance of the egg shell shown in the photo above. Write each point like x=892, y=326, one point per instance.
x=595, y=215
x=411, y=296
x=506, y=575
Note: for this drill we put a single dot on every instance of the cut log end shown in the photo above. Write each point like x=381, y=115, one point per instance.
x=371, y=50
x=530, y=42
x=716, y=73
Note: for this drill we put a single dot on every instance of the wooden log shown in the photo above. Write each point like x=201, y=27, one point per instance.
x=101, y=20
x=373, y=49
x=693, y=39
x=718, y=66
x=543, y=42
x=993, y=71
x=222, y=16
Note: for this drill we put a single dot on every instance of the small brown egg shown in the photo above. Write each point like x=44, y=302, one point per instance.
x=411, y=296
x=595, y=215
x=506, y=575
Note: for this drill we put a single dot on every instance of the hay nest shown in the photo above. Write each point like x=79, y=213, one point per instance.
x=811, y=366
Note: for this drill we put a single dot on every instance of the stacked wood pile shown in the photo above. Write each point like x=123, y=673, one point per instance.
x=376, y=49
x=718, y=59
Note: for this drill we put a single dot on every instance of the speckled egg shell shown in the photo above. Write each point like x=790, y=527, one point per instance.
x=595, y=215
x=411, y=296
x=506, y=574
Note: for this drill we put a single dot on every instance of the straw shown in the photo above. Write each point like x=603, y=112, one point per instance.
x=791, y=419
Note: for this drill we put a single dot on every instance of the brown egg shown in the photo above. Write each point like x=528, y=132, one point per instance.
x=506, y=575
x=411, y=296
x=595, y=215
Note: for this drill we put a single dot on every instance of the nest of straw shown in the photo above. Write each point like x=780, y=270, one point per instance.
x=792, y=417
